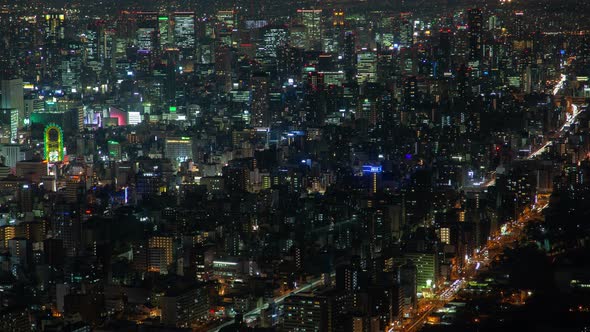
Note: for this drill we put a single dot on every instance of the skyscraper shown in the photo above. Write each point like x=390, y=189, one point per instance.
x=366, y=66
x=164, y=28
x=312, y=21
x=54, y=27
x=12, y=97
x=272, y=39
x=260, y=116
x=146, y=33
x=475, y=26
x=519, y=25
x=184, y=30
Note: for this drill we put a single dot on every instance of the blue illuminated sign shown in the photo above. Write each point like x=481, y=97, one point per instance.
x=372, y=169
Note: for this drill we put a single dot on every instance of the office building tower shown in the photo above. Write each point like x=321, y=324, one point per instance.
x=20, y=251
x=12, y=97
x=114, y=149
x=178, y=149
x=184, y=32
x=311, y=19
x=411, y=94
x=165, y=31
x=305, y=312
x=366, y=67
x=405, y=35
x=259, y=115
x=273, y=38
x=461, y=47
x=519, y=29
x=161, y=251
x=54, y=26
x=408, y=287
x=182, y=306
x=475, y=31
x=11, y=154
x=227, y=18
x=426, y=269
x=146, y=35
x=8, y=125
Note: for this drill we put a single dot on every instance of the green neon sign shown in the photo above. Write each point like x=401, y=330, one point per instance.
x=54, y=144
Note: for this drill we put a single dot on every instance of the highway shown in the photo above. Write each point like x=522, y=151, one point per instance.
x=495, y=243
x=277, y=300
x=576, y=111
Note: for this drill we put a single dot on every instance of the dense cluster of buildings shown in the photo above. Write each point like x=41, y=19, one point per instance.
x=293, y=165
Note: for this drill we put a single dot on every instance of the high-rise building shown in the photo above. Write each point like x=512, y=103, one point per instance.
x=405, y=35
x=461, y=48
x=272, y=39
x=475, y=29
x=305, y=312
x=228, y=18
x=165, y=245
x=146, y=35
x=114, y=148
x=411, y=97
x=408, y=287
x=519, y=32
x=165, y=30
x=15, y=318
x=185, y=306
x=311, y=19
x=54, y=25
x=444, y=50
x=65, y=224
x=260, y=116
x=11, y=154
x=21, y=251
x=179, y=149
x=11, y=91
x=8, y=125
x=366, y=66
x=426, y=269
x=184, y=31
x=349, y=278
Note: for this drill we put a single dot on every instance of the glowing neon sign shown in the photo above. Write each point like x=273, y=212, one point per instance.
x=372, y=169
x=54, y=143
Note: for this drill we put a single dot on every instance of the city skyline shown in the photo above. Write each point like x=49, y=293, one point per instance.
x=294, y=166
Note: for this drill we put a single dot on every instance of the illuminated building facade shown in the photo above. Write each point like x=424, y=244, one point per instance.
x=55, y=27
x=184, y=30
x=8, y=125
x=11, y=96
x=54, y=144
x=164, y=29
x=147, y=26
x=179, y=149
x=311, y=20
